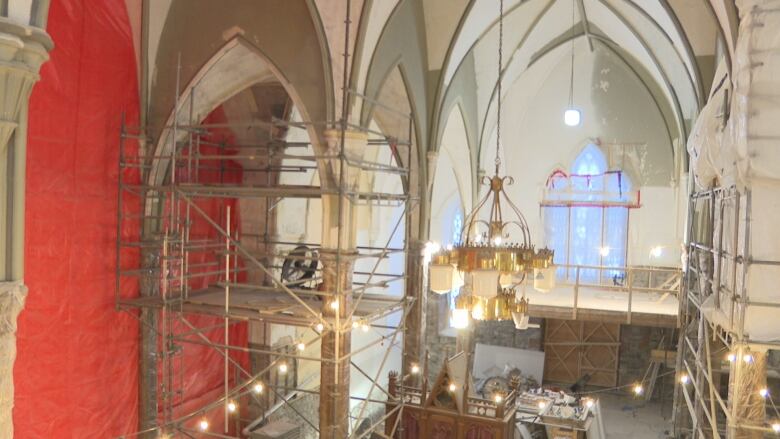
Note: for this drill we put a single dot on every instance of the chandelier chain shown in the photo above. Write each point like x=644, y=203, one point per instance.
x=571, y=76
x=500, y=65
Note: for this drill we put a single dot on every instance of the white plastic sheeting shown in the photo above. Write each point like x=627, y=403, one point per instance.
x=746, y=152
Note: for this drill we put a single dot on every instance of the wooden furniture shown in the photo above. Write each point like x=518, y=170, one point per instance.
x=449, y=410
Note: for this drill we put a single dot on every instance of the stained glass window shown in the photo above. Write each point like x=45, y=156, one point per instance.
x=586, y=218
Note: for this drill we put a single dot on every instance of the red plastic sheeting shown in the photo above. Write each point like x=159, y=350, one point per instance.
x=76, y=370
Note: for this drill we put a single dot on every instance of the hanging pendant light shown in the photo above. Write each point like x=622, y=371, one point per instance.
x=495, y=252
x=441, y=274
x=520, y=314
x=572, y=116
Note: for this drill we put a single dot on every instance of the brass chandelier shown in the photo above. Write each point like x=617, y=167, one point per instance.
x=486, y=253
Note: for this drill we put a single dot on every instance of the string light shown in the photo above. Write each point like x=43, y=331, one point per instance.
x=776, y=427
x=415, y=369
x=453, y=387
x=684, y=379
x=497, y=240
x=764, y=392
x=656, y=251
x=334, y=304
x=232, y=407
x=589, y=403
x=747, y=358
x=364, y=327
x=355, y=324
x=301, y=346
x=320, y=327
x=498, y=398
x=731, y=357
x=542, y=405
x=638, y=389
x=604, y=251
x=203, y=425
x=283, y=368
x=258, y=388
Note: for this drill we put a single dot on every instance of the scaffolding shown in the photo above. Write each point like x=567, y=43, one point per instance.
x=192, y=262
x=714, y=345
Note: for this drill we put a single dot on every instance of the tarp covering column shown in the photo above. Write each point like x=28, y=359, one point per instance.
x=76, y=370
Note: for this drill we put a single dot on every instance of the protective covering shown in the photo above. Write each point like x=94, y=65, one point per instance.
x=76, y=370
x=76, y=374
x=745, y=153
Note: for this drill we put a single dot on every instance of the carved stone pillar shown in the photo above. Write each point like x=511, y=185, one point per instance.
x=334, y=373
x=23, y=48
x=337, y=255
x=416, y=286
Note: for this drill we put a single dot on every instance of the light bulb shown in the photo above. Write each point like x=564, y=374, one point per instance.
x=497, y=240
x=301, y=346
x=638, y=389
x=203, y=425
x=283, y=368
x=764, y=392
x=498, y=398
x=604, y=251
x=453, y=387
x=232, y=407
x=776, y=427
x=478, y=313
x=656, y=251
x=364, y=327
x=415, y=369
x=572, y=117
x=542, y=405
x=684, y=379
x=258, y=388
x=319, y=327
x=747, y=358
x=731, y=357
x=589, y=403
x=355, y=324
x=460, y=318
x=334, y=304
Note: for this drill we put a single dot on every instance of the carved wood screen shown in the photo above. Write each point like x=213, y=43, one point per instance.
x=574, y=348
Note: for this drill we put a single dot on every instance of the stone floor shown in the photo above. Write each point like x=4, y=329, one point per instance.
x=626, y=417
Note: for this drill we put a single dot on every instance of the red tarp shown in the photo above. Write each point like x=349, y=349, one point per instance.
x=77, y=365
x=76, y=373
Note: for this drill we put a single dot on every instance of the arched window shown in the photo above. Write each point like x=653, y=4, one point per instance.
x=586, y=218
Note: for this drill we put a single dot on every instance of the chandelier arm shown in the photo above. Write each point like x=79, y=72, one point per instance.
x=523, y=228
x=526, y=233
x=464, y=233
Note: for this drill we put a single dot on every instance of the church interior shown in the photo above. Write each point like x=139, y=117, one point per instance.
x=398, y=219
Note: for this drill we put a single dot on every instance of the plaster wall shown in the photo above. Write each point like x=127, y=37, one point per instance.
x=618, y=113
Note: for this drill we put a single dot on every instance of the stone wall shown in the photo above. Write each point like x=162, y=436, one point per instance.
x=493, y=333
x=634, y=356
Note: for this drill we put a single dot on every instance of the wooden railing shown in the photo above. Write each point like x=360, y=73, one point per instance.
x=664, y=281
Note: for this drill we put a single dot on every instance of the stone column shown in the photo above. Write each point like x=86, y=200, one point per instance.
x=337, y=256
x=23, y=48
x=415, y=289
x=334, y=373
x=746, y=405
